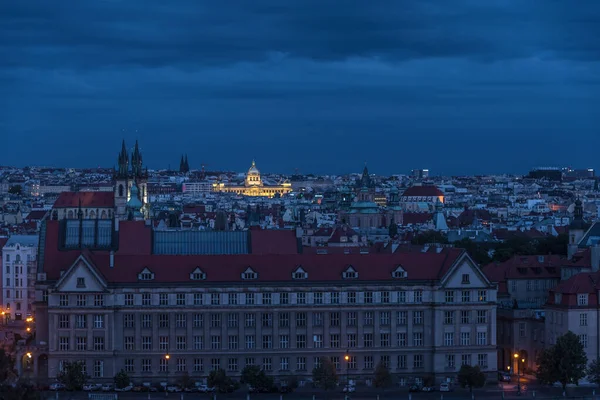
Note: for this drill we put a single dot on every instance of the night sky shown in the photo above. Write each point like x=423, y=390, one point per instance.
x=457, y=86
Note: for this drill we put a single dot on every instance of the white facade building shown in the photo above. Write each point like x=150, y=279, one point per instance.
x=18, y=275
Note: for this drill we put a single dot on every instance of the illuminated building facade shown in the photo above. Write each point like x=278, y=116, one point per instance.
x=254, y=186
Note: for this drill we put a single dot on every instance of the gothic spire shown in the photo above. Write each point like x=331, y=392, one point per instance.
x=123, y=162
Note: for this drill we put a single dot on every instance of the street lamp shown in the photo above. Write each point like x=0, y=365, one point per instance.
x=167, y=356
x=347, y=358
x=516, y=355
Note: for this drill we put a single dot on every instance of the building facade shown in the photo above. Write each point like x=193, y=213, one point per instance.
x=254, y=186
x=18, y=276
x=422, y=314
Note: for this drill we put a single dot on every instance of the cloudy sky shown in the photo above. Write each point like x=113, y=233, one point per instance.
x=457, y=86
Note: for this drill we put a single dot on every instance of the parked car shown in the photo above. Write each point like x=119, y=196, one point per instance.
x=428, y=388
x=173, y=389
x=504, y=377
x=445, y=387
x=127, y=388
x=107, y=387
x=57, y=386
x=414, y=388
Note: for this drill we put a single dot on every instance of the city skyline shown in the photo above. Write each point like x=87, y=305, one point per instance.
x=457, y=87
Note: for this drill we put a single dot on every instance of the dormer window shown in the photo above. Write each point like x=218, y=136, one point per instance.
x=197, y=275
x=80, y=282
x=299, y=273
x=249, y=274
x=350, y=273
x=399, y=273
x=146, y=275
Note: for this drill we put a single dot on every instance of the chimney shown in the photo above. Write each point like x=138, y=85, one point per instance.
x=595, y=257
x=112, y=259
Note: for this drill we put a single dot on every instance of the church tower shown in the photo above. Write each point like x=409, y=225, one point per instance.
x=126, y=176
x=576, y=229
x=122, y=184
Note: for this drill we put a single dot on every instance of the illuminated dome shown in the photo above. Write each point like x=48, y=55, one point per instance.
x=253, y=176
x=253, y=170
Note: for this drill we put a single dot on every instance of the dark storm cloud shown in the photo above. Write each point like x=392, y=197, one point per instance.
x=190, y=32
x=366, y=78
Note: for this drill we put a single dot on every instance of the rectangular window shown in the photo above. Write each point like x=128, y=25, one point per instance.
x=466, y=278
x=402, y=317
x=522, y=329
x=146, y=342
x=368, y=318
x=449, y=339
x=215, y=320
x=63, y=343
x=418, y=339
x=146, y=320
x=385, y=297
x=215, y=342
x=449, y=296
x=232, y=342
x=401, y=336
x=267, y=298
x=335, y=297
x=317, y=319
x=417, y=317
x=250, y=320
x=180, y=320
x=284, y=320
x=146, y=299
x=334, y=318
x=198, y=321
x=267, y=364
x=180, y=299
x=129, y=365
x=300, y=298
x=318, y=341
x=402, y=296
x=163, y=365
x=418, y=361
x=163, y=343
x=384, y=339
x=284, y=298
x=368, y=362
x=318, y=298
x=98, y=369
x=163, y=320
x=249, y=298
x=215, y=363
x=284, y=341
x=250, y=342
x=99, y=300
x=482, y=316
x=418, y=296
x=181, y=365
x=334, y=340
x=198, y=299
x=583, y=319
x=368, y=296
x=300, y=319
x=232, y=364
x=351, y=318
x=129, y=343
x=163, y=299
x=351, y=340
x=465, y=317
x=128, y=320
x=267, y=342
x=466, y=296
x=98, y=343
x=465, y=338
x=482, y=360
x=129, y=299
x=384, y=318
x=482, y=338
x=368, y=340
x=198, y=365
x=267, y=320
x=81, y=343
x=232, y=299
x=583, y=339
x=63, y=299
x=146, y=365
x=301, y=363
x=449, y=317
x=402, y=364
x=198, y=342
x=335, y=360
x=98, y=321
x=582, y=299
x=63, y=321
x=232, y=320
x=300, y=341
x=215, y=299
x=81, y=300
x=482, y=295
x=181, y=343
x=450, y=361
x=351, y=297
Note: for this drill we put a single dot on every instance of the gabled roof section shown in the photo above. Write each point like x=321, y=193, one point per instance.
x=299, y=273
x=458, y=264
x=82, y=262
x=146, y=275
x=399, y=273
x=350, y=273
x=197, y=275
x=249, y=273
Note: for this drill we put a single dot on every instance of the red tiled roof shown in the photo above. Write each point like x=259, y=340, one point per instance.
x=36, y=215
x=416, y=218
x=423, y=191
x=270, y=268
x=525, y=267
x=88, y=199
x=265, y=241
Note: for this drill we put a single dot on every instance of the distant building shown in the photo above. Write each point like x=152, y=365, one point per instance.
x=549, y=173
x=254, y=186
x=125, y=178
x=420, y=174
x=586, y=173
x=91, y=205
x=18, y=275
x=421, y=198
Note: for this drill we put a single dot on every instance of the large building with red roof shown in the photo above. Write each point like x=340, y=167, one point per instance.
x=421, y=198
x=127, y=299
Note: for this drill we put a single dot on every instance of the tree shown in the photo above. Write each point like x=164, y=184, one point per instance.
x=565, y=362
x=220, y=381
x=393, y=229
x=20, y=391
x=186, y=381
x=383, y=378
x=471, y=377
x=430, y=237
x=593, y=371
x=324, y=375
x=122, y=379
x=72, y=375
x=255, y=377
x=16, y=189
x=7, y=365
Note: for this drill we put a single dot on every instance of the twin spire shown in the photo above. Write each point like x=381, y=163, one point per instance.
x=184, y=166
x=136, y=162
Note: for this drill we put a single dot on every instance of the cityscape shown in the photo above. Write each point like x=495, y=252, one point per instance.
x=299, y=199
